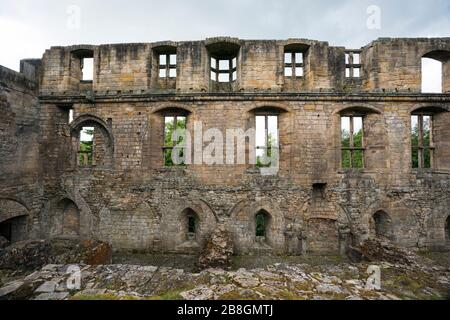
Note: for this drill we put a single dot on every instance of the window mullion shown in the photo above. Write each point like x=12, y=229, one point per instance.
x=293, y=64
x=421, y=146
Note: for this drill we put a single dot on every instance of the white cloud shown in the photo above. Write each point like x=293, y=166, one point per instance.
x=35, y=26
x=19, y=42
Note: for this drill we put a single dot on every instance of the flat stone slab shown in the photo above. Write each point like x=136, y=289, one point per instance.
x=10, y=288
x=47, y=287
x=52, y=296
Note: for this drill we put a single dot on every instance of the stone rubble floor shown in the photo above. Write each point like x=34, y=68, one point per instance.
x=427, y=278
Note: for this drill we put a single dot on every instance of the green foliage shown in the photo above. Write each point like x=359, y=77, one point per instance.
x=358, y=155
x=271, y=150
x=415, y=147
x=260, y=225
x=87, y=147
x=169, y=129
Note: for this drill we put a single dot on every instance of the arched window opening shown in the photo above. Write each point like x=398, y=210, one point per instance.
x=13, y=220
x=70, y=218
x=191, y=224
x=381, y=225
x=92, y=142
x=261, y=223
x=86, y=147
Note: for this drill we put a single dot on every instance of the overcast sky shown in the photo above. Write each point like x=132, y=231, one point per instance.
x=29, y=27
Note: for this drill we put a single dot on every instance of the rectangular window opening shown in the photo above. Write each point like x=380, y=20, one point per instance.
x=167, y=66
x=353, y=64
x=352, y=142
x=87, y=69
x=422, y=147
x=86, y=147
x=293, y=64
x=174, y=131
x=267, y=140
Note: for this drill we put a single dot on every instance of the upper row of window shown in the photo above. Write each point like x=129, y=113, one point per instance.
x=225, y=69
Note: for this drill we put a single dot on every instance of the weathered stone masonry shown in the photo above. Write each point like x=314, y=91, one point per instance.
x=313, y=205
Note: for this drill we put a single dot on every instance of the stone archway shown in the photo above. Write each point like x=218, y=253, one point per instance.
x=66, y=219
x=381, y=226
x=185, y=226
x=262, y=227
x=101, y=150
x=13, y=220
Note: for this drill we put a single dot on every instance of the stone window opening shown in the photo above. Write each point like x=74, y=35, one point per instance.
x=223, y=69
x=352, y=141
x=261, y=223
x=422, y=152
x=319, y=191
x=86, y=147
x=380, y=226
x=87, y=69
x=172, y=123
x=267, y=139
x=223, y=64
x=70, y=116
x=435, y=71
x=82, y=67
x=167, y=63
x=71, y=219
x=191, y=227
x=353, y=64
x=293, y=64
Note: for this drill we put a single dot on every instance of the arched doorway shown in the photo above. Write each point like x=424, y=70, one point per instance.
x=66, y=221
x=262, y=230
x=13, y=220
x=190, y=224
x=14, y=229
x=381, y=226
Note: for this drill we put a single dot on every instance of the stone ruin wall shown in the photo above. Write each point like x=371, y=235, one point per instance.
x=130, y=199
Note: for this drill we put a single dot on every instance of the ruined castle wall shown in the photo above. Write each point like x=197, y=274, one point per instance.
x=394, y=65
x=19, y=150
x=127, y=196
x=136, y=203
